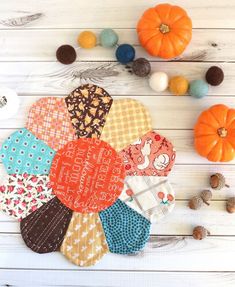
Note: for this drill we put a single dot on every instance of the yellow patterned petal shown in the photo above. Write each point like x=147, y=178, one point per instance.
x=84, y=243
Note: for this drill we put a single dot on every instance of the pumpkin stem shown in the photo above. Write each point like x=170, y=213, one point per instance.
x=164, y=28
x=222, y=132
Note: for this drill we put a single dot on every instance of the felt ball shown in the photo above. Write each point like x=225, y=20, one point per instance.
x=178, y=86
x=214, y=76
x=87, y=40
x=66, y=54
x=125, y=53
x=158, y=81
x=108, y=38
x=141, y=67
x=198, y=89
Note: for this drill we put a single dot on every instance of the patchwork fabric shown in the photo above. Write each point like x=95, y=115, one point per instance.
x=22, y=153
x=21, y=195
x=127, y=121
x=151, y=196
x=88, y=107
x=49, y=120
x=150, y=155
x=43, y=230
x=87, y=175
x=126, y=230
x=84, y=243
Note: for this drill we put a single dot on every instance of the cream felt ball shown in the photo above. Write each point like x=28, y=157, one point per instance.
x=158, y=81
x=198, y=89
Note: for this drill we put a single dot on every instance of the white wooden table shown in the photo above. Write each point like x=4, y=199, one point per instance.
x=27, y=64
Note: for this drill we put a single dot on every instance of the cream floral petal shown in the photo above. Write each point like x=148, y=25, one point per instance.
x=88, y=107
x=151, y=196
x=49, y=120
x=43, y=230
x=84, y=243
x=150, y=155
x=22, y=194
x=126, y=122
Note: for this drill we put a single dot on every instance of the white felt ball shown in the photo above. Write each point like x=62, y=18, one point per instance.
x=9, y=103
x=158, y=81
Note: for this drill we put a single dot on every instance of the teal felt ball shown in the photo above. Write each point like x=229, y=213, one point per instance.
x=108, y=38
x=125, y=53
x=198, y=89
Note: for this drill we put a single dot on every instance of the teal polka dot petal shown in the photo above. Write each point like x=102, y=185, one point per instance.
x=22, y=152
x=126, y=230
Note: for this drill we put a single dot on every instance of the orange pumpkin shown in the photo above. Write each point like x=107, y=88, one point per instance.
x=165, y=30
x=214, y=133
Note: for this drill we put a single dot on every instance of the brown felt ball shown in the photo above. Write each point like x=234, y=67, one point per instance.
x=230, y=205
x=214, y=76
x=200, y=233
x=66, y=54
x=141, y=67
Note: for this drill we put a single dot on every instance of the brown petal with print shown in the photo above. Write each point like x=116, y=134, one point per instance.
x=88, y=107
x=43, y=230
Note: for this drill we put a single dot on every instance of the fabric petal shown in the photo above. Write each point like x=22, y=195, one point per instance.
x=126, y=122
x=150, y=155
x=22, y=153
x=22, y=194
x=49, y=120
x=151, y=196
x=88, y=107
x=126, y=230
x=84, y=243
x=43, y=230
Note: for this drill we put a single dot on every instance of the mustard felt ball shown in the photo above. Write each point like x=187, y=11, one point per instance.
x=178, y=85
x=87, y=40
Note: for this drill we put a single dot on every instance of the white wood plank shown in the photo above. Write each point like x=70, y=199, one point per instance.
x=55, y=78
x=180, y=222
x=84, y=278
x=166, y=112
x=206, y=45
x=119, y=14
x=162, y=253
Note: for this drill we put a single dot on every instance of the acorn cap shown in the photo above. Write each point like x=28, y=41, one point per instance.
x=217, y=181
x=230, y=205
x=195, y=202
x=206, y=195
x=200, y=233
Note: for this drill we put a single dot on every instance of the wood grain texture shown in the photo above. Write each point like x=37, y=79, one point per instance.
x=118, y=14
x=206, y=45
x=55, y=78
x=30, y=32
x=82, y=278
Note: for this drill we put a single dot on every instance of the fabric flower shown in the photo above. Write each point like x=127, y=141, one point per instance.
x=87, y=176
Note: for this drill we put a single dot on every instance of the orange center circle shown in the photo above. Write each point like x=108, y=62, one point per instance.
x=87, y=175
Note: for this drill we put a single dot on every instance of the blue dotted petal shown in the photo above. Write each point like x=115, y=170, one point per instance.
x=22, y=152
x=126, y=230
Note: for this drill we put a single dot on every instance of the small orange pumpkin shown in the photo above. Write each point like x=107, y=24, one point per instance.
x=214, y=133
x=165, y=30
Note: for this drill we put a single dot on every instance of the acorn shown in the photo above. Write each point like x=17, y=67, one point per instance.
x=206, y=195
x=230, y=205
x=200, y=233
x=195, y=202
x=217, y=181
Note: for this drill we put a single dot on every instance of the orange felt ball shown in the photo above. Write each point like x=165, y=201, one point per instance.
x=178, y=85
x=87, y=39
